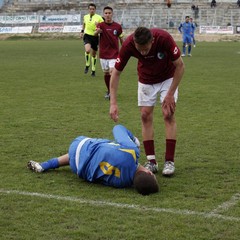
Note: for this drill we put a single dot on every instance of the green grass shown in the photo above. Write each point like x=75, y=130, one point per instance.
x=46, y=101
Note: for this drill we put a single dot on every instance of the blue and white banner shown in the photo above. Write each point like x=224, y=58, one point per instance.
x=15, y=30
x=21, y=19
x=25, y=19
x=60, y=18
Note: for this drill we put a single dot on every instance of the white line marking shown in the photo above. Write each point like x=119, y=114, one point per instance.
x=120, y=205
x=226, y=205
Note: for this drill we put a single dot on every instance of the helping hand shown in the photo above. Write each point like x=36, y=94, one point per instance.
x=114, y=112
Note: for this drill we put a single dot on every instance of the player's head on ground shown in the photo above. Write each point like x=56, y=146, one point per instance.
x=145, y=181
x=108, y=14
x=92, y=8
x=143, y=40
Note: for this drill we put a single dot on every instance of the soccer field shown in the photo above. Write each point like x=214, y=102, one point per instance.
x=46, y=101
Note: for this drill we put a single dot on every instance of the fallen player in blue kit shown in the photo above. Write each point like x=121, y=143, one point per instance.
x=112, y=163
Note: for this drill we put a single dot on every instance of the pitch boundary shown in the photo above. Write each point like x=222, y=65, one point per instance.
x=212, y=214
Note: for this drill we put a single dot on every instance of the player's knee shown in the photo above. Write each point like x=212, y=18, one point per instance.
x=169, y=120
x=146, y=116
x=106, y=73
x=118, y=128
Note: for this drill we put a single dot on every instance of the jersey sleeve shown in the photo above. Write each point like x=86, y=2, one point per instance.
x=173, y=48
x=193, y=26
x=123, y=56
x=120, y=32
x=180, y=28
x=98, y=25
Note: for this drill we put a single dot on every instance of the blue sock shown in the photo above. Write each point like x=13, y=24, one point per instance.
x=184, y=50
x=189, y=49
x=50, y=164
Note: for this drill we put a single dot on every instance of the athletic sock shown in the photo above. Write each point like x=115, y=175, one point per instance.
x=94, y=61
x=107, y=81
x=170, y=149
x=189, y=49
x=184, y=49
x=149, y=150
x=50, y=164
x=87, y=59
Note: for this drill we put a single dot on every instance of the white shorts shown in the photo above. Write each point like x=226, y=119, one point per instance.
x=106, y=64
x=148, y=93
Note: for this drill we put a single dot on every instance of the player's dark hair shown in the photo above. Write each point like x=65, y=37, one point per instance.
x=142, y=35
x=145, y=183
x=92, y=5
x=108, y=8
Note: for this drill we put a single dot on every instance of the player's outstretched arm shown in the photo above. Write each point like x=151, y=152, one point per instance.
x=115, y=77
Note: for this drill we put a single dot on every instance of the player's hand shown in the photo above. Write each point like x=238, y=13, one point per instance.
x=168, y=106
x=114, y=112
x=81, y=35
x=98, y=30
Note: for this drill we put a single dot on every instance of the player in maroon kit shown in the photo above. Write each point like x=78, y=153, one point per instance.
x=110, y=34
x=160, y=70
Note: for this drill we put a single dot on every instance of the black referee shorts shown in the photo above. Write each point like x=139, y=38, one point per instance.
x=92, y=40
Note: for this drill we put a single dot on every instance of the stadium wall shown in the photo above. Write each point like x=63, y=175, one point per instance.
x=129, y=15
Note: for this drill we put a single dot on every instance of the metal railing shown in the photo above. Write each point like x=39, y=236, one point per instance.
x=156, y=17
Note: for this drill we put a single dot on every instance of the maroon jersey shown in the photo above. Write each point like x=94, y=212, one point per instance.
x=109, y=40
x=157, y=65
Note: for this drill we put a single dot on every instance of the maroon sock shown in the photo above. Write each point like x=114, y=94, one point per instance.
x=107, y=81
x=149, y=150
x=170, y=149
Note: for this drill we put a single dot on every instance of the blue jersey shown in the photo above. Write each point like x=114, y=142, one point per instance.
x=112, y=163
x=193, y=29
x=186, y=28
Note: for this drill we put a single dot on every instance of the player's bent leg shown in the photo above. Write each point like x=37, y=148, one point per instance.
x=125, y=137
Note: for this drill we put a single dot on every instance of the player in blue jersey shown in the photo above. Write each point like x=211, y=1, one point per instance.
x=112, y=163
x=186, y=29
x=193, y=31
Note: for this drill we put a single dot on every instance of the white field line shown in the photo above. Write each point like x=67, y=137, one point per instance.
x=120, y=205
x=226, y=205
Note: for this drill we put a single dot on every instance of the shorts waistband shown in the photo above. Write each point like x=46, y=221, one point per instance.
x=78, y=151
